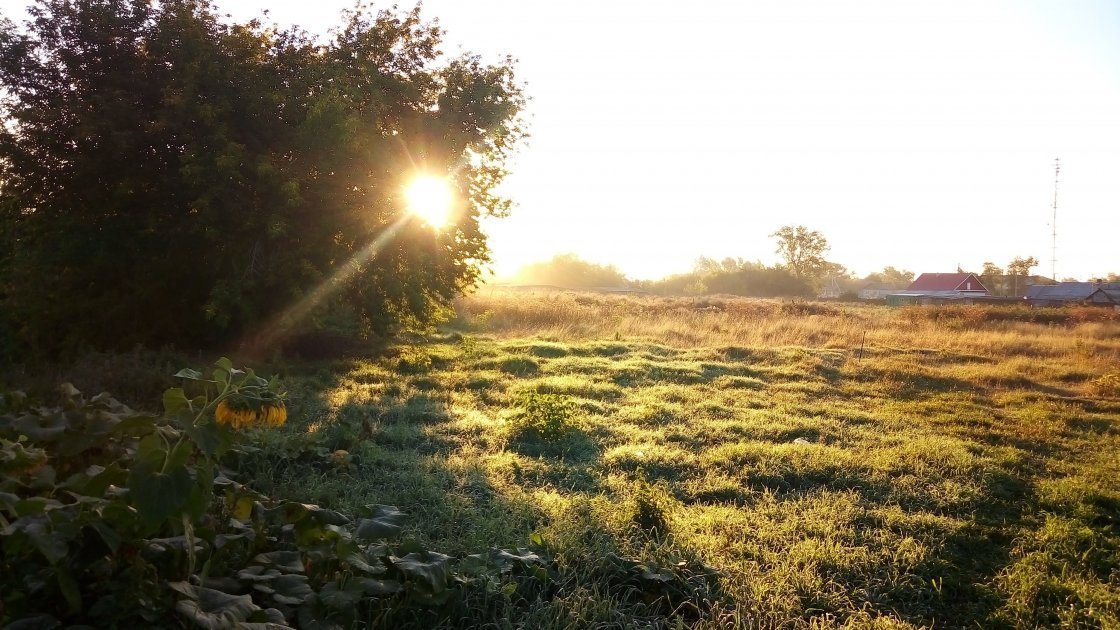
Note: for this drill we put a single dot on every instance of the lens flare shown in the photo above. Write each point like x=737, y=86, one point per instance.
x=430, y=199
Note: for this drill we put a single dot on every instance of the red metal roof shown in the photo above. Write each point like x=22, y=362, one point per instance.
x=947, y=282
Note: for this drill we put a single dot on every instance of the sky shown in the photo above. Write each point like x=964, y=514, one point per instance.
x=920, y=135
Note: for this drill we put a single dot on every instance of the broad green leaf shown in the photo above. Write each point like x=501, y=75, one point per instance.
x=378, y=588
x=339, y=598
x=210, y=438
x=69, y=588
x=290, y=589
x=9, y=501
x=286, y=561
x=19, y=457
x=359, y=561
x=13, y=400
x=258, y=573
x=202, y=490
x=267, y=619
x=374, y=528
x=159, y=495
x=150, y=450
x=95, y=480
x=37, y=528
x=41, y=428
x=134, y=425
x=215, y=610
x=221, y=377
x=109, y=535
x=430, y=568
x=224, y=363
x=37, y=621
x=68, y=390
x=323, y=516
x=243, y=508
x=475, y=564
x=36, y=505
x=189, y=374
x=174, y=399
x=180, y=453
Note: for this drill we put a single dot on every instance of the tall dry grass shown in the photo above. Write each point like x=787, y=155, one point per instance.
x=1083, y=334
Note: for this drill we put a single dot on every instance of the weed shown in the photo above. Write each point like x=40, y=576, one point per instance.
x=545, y=417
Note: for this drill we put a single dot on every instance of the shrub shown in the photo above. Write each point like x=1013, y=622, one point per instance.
x=547, y=417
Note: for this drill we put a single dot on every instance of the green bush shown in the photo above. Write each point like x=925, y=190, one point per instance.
x=545, y=417
x=192, y=208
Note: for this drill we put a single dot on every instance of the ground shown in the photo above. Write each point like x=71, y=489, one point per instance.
x=765, y=464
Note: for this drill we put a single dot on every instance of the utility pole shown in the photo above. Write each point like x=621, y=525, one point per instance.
x=1054, y=224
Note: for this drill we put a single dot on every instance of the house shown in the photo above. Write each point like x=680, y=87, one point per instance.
x=1074, y=293
x=831, y=289
x=878, y=290
x=939, y=288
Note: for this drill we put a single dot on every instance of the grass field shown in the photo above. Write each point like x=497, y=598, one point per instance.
x=736, y=463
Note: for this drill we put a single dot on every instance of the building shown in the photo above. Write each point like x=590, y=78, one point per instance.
x=878, y=291
x=941, y=288
x=831, y=289
x=1074, y=293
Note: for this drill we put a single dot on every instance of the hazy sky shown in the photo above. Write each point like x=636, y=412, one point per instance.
x=915, y=134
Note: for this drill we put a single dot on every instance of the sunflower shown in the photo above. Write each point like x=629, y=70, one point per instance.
x=241, y=412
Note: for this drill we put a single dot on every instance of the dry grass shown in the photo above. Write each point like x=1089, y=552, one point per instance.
x=962, y=472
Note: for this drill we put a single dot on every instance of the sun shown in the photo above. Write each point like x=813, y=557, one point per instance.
x=430, y=199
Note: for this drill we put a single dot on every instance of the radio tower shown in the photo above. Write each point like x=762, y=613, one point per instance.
x=1054, y=224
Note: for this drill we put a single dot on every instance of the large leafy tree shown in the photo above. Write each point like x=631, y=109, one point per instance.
x=1020, y=268
x=802, y=251
x=169, y=177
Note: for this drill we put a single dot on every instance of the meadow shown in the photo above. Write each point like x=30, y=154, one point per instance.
x=739, y=463
x=647, y=463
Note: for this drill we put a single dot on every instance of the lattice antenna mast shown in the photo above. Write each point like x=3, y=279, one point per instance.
x=1054, y=224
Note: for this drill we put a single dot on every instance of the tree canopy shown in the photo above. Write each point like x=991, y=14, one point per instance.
x=170, y=177
x=802, y=251
x=571, y=271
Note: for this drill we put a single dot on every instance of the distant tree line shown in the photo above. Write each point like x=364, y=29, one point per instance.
x=803, y=271
x=571, y=272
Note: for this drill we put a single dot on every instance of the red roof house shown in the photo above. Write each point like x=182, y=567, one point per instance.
x=943, y=283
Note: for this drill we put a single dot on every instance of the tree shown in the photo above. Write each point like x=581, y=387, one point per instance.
x=173, y=178
x=570, y=271
x=992, y=277
x=900, y=277
x=803, y=251
x=1020, y=268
